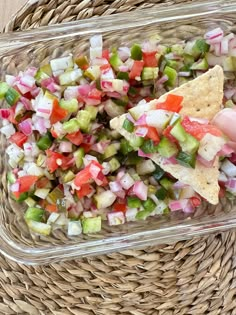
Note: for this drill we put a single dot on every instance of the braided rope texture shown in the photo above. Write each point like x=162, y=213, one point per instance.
x=194, y=277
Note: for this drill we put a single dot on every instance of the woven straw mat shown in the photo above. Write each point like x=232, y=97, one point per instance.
x=190, y=277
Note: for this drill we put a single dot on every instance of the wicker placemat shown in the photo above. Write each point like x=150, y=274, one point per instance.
x=190, y=277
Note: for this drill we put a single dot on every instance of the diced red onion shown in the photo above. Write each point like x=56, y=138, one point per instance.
x=140, y=190
x=162, y=80
x=71, y=92
x=199, y=120
x=101, y=146
x=120, y=174
x=184, y=74
x=26, y=103
x=116, y=218
x=182, y=204
x=214, y=36
x=232, y=158
x=204, y=162
x=89, y=139
x=65, y=146
x=141, y=131
x=130, y=118
x=231, y=185
x=124, y=53
x=228, y=168
x=26, y=126
x=226, y=150
x=4, y=113
x=10, y=79
x=123, y=68
x=142, y=154
x=179, y=185
x=141, y=121
x=31, y=71
x=114, y=95
x=229, y=93
x=130, y=214
x=115, y=186
x=15, y=187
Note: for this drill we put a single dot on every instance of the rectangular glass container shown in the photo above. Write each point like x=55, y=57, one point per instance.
x=34, y=48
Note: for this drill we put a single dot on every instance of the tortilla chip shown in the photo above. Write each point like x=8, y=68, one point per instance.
x=202, y=98
x=202, y=179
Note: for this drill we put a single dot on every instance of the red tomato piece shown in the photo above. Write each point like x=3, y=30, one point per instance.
x=149, y=58
x=18, y=138
x=75, y=137
x=58, y=113
x=195, y=201
x=26, y=182
x=105, y=54
x=42, y=182
x=52, y=160
x=95, y=94
x=152, y=134
x=136, y=69
x=85, y=190
x=50, y=208
x=198, y=130
x=86, y=147
x=105, y=67
x=172, y=103
x=83, y=176
x=119, y=207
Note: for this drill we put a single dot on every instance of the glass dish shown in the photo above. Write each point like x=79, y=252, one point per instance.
x=21, y=49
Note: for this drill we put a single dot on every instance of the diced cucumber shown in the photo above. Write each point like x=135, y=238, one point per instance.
x=83, y=119
x=78, y=155
x=11, y=177
x=201, y=64
x=150, y=73
x=3, y=89
x=92, y=110
x=178, y=132
x=171, y=74
x=34, y=213
x=70, y=105
x=166, y=148
x=110, y=151
x=134, y=202
x=186, y=159
x=145, y=167
x=30, y=202
x=92, y=225
x=39, y=227
x=114, y=164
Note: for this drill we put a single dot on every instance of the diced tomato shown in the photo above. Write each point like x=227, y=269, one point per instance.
x=83, y=177
x=67, y=162
x=136, y=69
x=198, y=130
x=95, y=94
x=152, y=134
x=119, y=207
x=167, y=134
x=26, y=182
x=42, y=182
x=172, y=103
x=75, y=137
x=52, y=160
x=18, y=138
x=58, y=113
x=50, y=208
x=28, y=96
x=11, y=118
x=195, y=201
x=105, y=54
x=85, y=190
x=53, y=133
x=149, y=58
x=86, y=147
x=105, y=67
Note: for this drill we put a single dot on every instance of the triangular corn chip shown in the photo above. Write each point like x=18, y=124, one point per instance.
x=202, y=98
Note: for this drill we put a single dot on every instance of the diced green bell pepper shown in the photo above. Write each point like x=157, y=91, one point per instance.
x=71, y=125
x=123, y=76
x=171, y=74
x=186, y=159
x=158, y=173
x=134, y=202
x=149, y=147
x=161, y=193
x=45, y=142
x=128, y=125
x=12, y=96
x=149, y=73
x=115, y=61
x=136, y=52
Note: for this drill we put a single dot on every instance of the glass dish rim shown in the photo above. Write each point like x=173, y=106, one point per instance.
x=35, y=256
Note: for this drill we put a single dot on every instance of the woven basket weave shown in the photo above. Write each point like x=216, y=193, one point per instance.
x=194, y=277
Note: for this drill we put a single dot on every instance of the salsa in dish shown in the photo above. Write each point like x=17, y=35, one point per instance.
x=122, y=134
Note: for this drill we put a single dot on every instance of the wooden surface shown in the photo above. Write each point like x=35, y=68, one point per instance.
x=8, y=8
